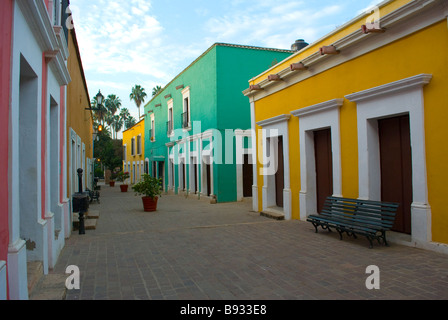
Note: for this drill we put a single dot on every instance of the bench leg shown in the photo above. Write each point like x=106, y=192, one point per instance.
x=370, y=241
x=340, y=233
x=384, y=239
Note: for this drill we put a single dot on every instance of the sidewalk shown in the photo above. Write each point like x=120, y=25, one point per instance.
x=193, y=250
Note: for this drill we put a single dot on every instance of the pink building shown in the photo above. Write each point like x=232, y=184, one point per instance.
x=33, y=80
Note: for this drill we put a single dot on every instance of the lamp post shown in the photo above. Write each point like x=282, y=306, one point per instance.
x=99, y=102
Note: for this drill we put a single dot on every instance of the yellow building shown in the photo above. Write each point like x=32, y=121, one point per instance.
x=360, y=113
x=79, y=122
x=134, y=151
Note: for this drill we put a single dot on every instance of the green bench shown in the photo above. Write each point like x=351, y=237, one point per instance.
x=353, y=216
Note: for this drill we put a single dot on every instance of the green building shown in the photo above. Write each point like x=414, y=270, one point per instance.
x=197, y=129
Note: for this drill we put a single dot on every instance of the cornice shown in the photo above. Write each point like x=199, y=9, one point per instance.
x=400, y=85
x=274, y=120
x=316, y=62
x=327, y=105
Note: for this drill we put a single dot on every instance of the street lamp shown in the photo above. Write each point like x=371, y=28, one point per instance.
x=99, y=98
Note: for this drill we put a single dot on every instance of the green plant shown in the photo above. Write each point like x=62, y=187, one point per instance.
x=121, y=176
x=148, y=186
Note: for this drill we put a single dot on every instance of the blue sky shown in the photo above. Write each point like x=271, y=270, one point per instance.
x=149, y=42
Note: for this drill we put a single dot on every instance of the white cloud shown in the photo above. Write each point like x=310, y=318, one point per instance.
x=275, y=26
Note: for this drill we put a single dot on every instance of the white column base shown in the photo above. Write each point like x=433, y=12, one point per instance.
x=17, y=271
x=3, y=283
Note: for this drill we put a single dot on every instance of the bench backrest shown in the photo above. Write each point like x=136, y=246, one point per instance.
x=374, y=213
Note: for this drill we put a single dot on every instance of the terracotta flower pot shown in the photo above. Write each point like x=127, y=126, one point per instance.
x=149, y=203
x=124, y=187
x=112, y=183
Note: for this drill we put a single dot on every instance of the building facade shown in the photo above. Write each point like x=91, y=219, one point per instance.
x=361, y=115
x=33, y=112
x=134, y=151
x=198, y=126
x=79, y=128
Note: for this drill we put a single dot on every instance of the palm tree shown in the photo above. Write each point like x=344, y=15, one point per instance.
x=112, y=103
x=99, y=111
x=138, y=94
x=129, y=122
x=117, y=124
x=156, y=90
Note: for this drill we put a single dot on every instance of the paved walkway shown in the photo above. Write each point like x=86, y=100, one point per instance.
x=193, y=250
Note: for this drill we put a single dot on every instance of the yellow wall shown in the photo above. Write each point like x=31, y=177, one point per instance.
x=422, y=52
x=330, y=38
x=79, y=119
x=137, y=129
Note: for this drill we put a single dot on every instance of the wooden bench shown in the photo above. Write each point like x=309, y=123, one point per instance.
x=353, y=216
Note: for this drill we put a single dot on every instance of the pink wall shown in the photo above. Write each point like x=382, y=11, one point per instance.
x=6, y=19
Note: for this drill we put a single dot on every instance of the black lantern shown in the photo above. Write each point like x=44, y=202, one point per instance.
x=99, y=98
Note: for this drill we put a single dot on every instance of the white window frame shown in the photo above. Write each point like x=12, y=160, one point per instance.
x=170, y=107
x=186, y=96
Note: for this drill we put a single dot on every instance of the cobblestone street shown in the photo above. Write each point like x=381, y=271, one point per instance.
x=193, y=250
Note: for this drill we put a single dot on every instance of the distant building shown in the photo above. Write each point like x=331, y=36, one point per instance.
x=197, y=139
x=134, y=151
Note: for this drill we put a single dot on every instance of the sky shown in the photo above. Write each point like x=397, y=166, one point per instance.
x=149, y=42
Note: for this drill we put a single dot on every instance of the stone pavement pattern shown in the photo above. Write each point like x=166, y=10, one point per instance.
x=193, y=250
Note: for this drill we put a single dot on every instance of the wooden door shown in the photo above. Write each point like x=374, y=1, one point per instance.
x=247, y=177
x=396, y=168
x=324, y=166
x=279, y=174
x=207, y=168
x=195, y=168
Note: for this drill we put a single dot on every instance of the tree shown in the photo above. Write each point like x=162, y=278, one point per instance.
x=99, y=112
x=130, y=122
x=126, y=118
x=112, y=104
x=109, y=151
x=156, y=90
x=138, y=95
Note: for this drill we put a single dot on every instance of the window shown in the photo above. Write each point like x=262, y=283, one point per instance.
x=133, y=146
x=152, y=133
x=124, y=153
x=139, y=144
x=169, y=124
x=186, y=108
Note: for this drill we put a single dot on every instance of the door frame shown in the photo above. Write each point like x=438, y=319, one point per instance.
x=272, y=128
x=315, y=117
x=392, y=99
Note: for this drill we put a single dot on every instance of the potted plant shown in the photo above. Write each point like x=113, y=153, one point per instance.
x=122, y=176
x=151, y=189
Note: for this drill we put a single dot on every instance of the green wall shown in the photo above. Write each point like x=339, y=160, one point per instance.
x=216, y=80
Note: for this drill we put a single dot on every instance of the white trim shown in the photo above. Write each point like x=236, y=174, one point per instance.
x=186, y=95
x=274, y=120
x=400, y=97
x=170, y=106
x=273, y=128
x=312, y=118
x=410, y=18
x=3, y=282
x=254, y=163
x=394, y=87
x=239, y=158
